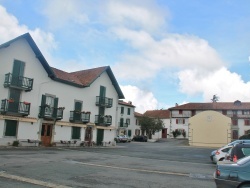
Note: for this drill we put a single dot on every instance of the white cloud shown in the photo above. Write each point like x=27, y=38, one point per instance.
x=10, y=28
x=143, y=100
x=226, y=85
x=62, y=13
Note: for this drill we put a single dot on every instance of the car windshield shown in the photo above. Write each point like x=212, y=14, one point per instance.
x=243, y=160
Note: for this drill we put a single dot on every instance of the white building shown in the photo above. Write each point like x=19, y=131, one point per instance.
x=45, y=104
x=238, y=111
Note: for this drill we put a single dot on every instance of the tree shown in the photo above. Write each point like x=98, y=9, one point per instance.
x=150, y=125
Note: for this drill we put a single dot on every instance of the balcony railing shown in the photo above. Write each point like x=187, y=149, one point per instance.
x=79, y=117
x=103, y=120
x=19, y=82
x=121, y=124
x=16, y=108
x=48, y=112
x=104, y=101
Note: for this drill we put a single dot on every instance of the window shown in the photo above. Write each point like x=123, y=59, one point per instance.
x=234, y=112
x=180, y=111
x=136, y=121
x=122, y=110
x=180, y=121
x=137, y=131
x=128, y=111
x=129, y=133
x=128, y=121
x=235, y=121
x=10, y=128
x=247, y=122
x=245, y=112
x=235, y=134
x=224, y=112
x=76, y=132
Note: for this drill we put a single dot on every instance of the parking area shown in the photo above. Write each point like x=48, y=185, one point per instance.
x=169, y=163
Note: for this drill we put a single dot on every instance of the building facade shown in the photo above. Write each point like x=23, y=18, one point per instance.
x=43, y=104
x=238, y=111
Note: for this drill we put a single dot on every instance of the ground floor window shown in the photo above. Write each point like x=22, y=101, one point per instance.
x=10, y=128
x=76, y=132
x=129, y=133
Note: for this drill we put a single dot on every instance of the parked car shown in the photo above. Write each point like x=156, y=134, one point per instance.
x=140, y=138
x=233, y=175
x=122, y=138
x=220, y=154
x=229, y=144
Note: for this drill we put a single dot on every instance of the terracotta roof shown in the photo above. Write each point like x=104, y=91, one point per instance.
x=237, y=105
x=83, y=77
x=137, y=114
x=125, y=103
x=162, y=114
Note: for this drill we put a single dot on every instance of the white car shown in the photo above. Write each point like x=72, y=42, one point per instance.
x=221, y=153
x=213, y=153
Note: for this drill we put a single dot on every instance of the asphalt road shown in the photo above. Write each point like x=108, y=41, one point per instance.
x=171, y=163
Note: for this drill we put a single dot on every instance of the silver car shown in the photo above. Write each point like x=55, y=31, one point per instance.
x=233, y=175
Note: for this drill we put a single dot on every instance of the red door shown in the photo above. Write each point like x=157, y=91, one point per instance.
x=164, y=133
x=46, y=134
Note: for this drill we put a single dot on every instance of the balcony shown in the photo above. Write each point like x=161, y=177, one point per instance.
x=18, y=82
x=104, y=102
x=121, y=124
x=103, y=120
x=79, y=117
x=10, y=107
x=51, y=113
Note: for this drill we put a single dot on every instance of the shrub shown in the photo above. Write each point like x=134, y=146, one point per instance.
x=15, y=143
x=176, y=133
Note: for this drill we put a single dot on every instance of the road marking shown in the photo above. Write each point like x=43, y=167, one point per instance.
x=31, y=181
x=133, y=169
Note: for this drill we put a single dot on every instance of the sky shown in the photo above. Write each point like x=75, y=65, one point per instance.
x=162, y=52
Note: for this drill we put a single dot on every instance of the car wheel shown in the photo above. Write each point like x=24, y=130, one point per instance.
x=245, y=185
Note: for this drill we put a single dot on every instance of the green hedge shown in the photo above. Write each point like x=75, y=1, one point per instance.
x=246, y=136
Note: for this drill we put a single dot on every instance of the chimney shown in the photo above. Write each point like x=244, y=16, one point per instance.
x=129, y=102
x=176, y=104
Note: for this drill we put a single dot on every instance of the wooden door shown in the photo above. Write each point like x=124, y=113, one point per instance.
x=88, y=135
x=46, y=134
x=164, y=133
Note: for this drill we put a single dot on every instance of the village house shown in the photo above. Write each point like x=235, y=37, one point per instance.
x=164, y=115
x=44, y=105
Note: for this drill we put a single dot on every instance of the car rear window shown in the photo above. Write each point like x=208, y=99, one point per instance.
x=244, y=160
x=245, y=151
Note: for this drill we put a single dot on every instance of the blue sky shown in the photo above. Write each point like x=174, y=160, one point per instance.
x=162, y=52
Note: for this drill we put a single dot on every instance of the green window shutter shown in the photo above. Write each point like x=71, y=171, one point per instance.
x=10, y=128
x=122, y=110
x=102, y=91
x=78, y=106
x=128, y=111
x=76, y=132
x=55, y=102
x=55, y=107
x=18, y=68
x=43, y=100
x=42, y=108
